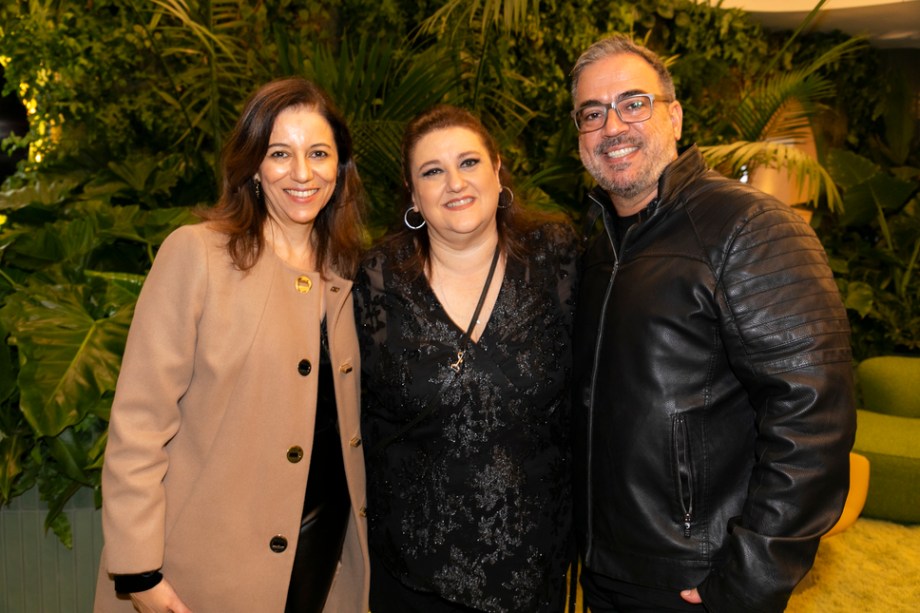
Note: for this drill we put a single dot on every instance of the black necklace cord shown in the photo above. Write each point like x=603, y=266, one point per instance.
x=468, y=335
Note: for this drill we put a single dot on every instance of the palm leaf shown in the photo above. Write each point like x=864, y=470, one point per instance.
x=781, y=107
x=455, y=15
x=758, y=111
x=735, y=158
x=209, y=27
x=774, y=119
x=204, y=48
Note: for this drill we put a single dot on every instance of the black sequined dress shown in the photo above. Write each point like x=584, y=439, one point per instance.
x=472, y=503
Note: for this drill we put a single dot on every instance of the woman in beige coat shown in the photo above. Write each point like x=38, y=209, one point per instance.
x=234, y=475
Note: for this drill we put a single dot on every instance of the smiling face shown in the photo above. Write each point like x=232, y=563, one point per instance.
x=455, y=184
x=298, y=172
x=626, y=160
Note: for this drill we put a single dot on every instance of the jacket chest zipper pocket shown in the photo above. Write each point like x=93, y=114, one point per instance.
x=680, y=440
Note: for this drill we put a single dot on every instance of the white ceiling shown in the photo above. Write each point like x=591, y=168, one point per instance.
x=887, y=23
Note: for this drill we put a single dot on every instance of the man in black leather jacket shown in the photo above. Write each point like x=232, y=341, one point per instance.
x=713, y=383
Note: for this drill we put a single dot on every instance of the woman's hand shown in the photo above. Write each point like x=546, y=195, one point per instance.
x=161, y=598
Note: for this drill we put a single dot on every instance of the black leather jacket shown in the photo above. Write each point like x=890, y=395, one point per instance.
x=713, y=393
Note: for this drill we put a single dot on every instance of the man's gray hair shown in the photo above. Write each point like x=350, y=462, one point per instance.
x=618, y=44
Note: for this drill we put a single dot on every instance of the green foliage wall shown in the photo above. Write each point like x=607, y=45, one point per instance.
x=132, y=100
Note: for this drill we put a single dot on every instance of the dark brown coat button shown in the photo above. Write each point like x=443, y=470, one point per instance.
x=295, y=454
x=278, y=544
x=304, y=367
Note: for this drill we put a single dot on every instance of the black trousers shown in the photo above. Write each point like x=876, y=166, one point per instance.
x=317, y=558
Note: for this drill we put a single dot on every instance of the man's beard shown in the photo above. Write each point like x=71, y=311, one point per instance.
x=612, y=181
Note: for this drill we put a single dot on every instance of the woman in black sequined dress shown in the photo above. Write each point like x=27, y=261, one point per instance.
x=464, y=318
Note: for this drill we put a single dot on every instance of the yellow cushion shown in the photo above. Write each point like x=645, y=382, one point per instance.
x=856, y=497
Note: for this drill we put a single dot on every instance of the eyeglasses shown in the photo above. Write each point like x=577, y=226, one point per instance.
x=633, y=109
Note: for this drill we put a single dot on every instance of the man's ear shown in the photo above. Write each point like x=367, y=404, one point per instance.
x=676, y=113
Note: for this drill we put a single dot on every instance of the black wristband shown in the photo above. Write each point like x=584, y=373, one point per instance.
x=141, y=582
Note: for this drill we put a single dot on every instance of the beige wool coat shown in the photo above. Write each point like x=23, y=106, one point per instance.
x=214, y=404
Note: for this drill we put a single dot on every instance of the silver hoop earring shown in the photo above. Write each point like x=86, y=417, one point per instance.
x=409, y=225
x=258, y=188
x=510, y=197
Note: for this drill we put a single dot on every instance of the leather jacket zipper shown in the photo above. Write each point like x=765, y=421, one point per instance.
x=681, y=440
x=597, y=355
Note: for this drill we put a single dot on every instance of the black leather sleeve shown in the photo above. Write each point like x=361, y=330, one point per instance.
x=787, y=338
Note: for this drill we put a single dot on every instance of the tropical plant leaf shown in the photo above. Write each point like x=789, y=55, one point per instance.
x=12, y=449
x=60, y=525
x=775, y=116
x=204, y=48
x=860, y=297
x=69, y=354
x=510, y=15
x=850, y=169
x=900, y=121
x=68, y=240
x=135, y=173
x=7, y=373
x=377, y=145
x=204, y=26
x=782, y=107
x=734, y=158
x=97, y=451
x=123, y=280
x=70, y=456
x=867, y=189
x=369, y=80
x=142, y=176
x=804, y=85
x=45, y=191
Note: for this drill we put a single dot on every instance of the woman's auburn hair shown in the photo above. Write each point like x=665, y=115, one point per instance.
x=338, y=230
x=513, y=220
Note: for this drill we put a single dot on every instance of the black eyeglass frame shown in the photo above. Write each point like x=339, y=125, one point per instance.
x=615, y=106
